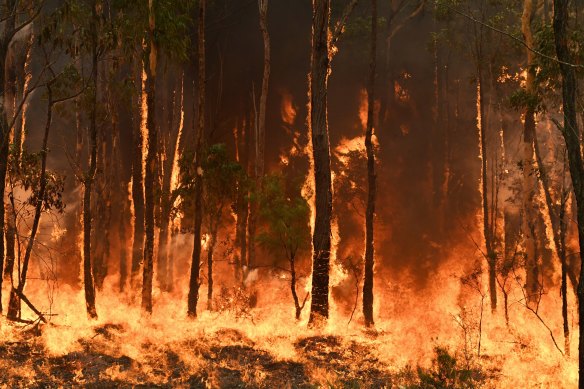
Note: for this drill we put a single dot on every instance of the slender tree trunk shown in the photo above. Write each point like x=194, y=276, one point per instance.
x=194, y=282
x=529, y=176
x=370, y=211
x=557, y=216
x=297, y=306
x=14, y=304
x=90, y=176
x=137, y=181
x=491, y=255
x=210, y=251
x=321, y=240
x=150, y=176
x=571, y=135
x=260, y=133
x=242, y=207
x=9, y=26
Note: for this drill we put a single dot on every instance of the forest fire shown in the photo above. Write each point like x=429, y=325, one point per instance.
x=194, y=197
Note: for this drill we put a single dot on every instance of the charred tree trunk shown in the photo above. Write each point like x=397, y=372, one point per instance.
x=90, y=176
x=319, y=72
x=571, y=135
x=194, y=282
x=370, y=211
x=150, y=177
x=137, y=182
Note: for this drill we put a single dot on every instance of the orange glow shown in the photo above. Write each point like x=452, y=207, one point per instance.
x=287, y=109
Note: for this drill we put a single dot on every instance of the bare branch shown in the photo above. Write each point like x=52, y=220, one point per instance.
x=340, y=25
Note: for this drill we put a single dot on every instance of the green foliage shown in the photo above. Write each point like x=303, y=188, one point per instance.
x=521, y=99
x=27, y=176
x=447, y=373
x=222, y=178
x=286, y=217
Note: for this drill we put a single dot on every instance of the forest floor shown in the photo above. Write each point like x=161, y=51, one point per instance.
x=225, y=358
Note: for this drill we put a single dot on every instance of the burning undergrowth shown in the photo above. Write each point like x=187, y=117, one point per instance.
x=225, y=358
x=439, y=338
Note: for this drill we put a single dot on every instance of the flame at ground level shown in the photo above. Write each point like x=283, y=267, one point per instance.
x=266, y=347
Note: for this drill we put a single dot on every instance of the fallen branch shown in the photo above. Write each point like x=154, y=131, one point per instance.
x=30, y=305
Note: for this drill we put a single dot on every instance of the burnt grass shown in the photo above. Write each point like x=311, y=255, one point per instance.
x=225, y=359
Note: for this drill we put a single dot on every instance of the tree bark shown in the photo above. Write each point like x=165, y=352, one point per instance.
x=9, y=26
x=529, y=174
x=371, y=193
x=152, y=153
x=137, y=181
x=321, y=240
x=194, y=282
x=571, y=135
x=90, y=176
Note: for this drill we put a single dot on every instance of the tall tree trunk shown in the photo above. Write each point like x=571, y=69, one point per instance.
x=150, y=176
x=137, y=181
x=487, y=222
x=321, y=240
x=370, y=211
x=260, y=125
x=90, y=176
x=194, y=282
x=571, y=135
x=241, y=205
x=529, y=174
x=557, y=216
x=9, y=25
x=14, y=303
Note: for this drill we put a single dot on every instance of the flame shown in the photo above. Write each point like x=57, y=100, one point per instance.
x=144, y=118
x=287, y=109
x=363, y=107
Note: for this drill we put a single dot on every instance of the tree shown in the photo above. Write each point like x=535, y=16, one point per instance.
x=529, y=176
x=12, y=25
x=571, y=135
x=321, y=238
x=150, y=162
x=260, y=126
x=88, y=281
x=219, y=175
x=323, y=48
x=194, y=282
x=286, y=217
x=370, y=211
